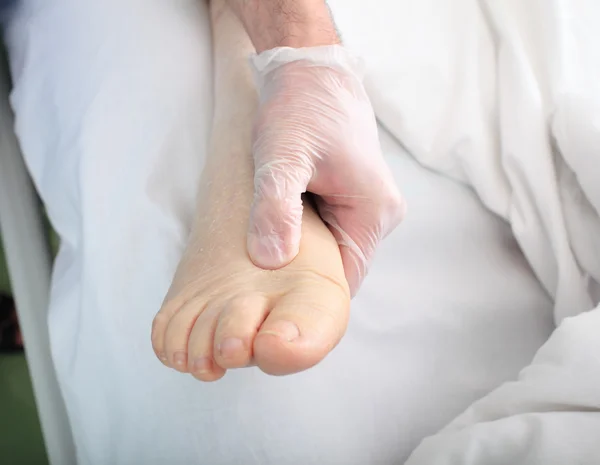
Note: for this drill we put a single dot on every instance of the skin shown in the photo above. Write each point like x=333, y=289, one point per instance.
x=222, y=311
x=315, y=131
x=286, y=23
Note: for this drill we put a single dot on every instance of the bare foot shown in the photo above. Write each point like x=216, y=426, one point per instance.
x=222, y=311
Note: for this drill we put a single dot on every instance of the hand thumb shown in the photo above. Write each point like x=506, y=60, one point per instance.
x=275, y=219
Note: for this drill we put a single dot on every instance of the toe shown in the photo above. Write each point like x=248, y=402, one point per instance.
x=177, y=334
x=236, y=329
x=201, y=361
x=303, y=327
x=159, y=326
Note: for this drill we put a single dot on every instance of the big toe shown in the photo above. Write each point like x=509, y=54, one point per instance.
x=304, y=326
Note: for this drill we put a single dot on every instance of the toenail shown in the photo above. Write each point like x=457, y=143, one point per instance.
x=163, y=357
x=230, y=347
x=202, y=365
x=179, y=359
x=284, y=329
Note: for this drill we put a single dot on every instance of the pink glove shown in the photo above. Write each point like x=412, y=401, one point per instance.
x=316, y=132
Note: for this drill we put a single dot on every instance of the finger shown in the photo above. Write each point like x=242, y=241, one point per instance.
x=359, y=228
x=355, y=258
x=276, y=216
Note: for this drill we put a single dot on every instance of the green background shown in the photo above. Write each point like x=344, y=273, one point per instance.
x=21, y=441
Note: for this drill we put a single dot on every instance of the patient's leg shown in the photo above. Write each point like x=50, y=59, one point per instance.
x=221, y=311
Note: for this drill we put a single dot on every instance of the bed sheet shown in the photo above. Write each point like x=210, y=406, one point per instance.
x=500, y=95
x=503, y=96
x=112, y=103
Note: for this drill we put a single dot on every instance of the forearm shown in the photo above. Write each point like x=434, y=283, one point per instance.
x=286, y=23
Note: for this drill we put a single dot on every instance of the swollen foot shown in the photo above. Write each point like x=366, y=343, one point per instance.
x=223, y=312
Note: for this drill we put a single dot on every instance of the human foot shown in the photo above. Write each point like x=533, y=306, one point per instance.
x=222, y=311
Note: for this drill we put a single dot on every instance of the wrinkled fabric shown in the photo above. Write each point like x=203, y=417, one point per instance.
x=504, y=96
x=498, y=95
x=114, y=131
x=550, y=415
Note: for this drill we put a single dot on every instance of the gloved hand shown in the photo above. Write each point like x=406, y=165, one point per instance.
x=316, y=131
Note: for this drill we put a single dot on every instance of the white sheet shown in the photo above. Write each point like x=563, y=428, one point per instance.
x=549, y=416
x=112, y=102
x=504, y=95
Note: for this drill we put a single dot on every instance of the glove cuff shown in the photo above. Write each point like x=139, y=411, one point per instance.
x=332, y=56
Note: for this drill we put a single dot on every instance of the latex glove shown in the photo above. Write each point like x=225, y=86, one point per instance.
x=316, y=131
